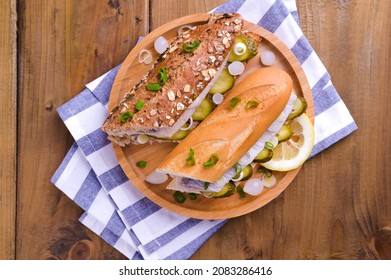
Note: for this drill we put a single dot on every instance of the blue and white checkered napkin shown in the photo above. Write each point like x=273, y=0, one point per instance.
x=114, y=209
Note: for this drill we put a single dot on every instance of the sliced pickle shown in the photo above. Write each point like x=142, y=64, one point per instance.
x=247, y=173
x=284, y=133
x=298, y=108
x=226, y=191
x=224, y=82
x=250, y=52
x=179, y=135
x=264, y=156
x=205, y=108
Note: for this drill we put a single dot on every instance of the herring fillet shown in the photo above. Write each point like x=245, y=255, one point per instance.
x=197, y=186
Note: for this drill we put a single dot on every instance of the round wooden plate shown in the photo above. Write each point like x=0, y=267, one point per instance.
x=131, y=72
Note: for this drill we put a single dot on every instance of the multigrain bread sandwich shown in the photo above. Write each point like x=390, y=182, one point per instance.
x=234, y=133
x=167, y=96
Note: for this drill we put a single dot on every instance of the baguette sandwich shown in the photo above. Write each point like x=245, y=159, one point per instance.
x=234, y=133
x=168, y=95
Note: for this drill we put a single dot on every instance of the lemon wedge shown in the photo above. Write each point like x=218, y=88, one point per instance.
x=292, y=153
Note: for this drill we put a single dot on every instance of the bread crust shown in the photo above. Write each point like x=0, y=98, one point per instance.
x=231, y=132
x=189, y=74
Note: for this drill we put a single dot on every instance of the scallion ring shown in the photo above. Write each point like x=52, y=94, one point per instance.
x=163, y=76
x=187, y=47
x=240, y=49
x=239, y=178
x=179, y=197
x=141, y=163
x=234, y=101
x=212, y=161
x=145, y=57
x=125, y=116
x=269, y=181
x=142, y=138
x=185, y=28
x=190, y=160
x=269, y=145
x=189, y=126
x=153, y=87
x=252, y=104
x=139, y=105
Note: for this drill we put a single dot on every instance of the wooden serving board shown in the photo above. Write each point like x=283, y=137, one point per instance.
x=131, y=72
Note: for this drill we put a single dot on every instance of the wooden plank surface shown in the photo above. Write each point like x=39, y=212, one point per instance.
x=337, y=208
x=354, y=175
x=8, y=128
x=63, y=45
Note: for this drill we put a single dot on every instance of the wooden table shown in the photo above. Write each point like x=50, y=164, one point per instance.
x=337, y=208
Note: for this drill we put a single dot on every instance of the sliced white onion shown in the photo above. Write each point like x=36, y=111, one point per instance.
x=189, y=126
x=156, y=178
x=161, y=44
x=269, y=181
x=276, y=125
x=184, y=28
x=267, y=58
x=240, y=48
x=239, y=178
x=236, y=68
x=274, y=141
x=145, y=57
x=142, y=138
x=208, y=194
x=217, y=98
x=253, y=186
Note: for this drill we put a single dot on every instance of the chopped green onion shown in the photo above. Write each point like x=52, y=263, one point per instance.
x=179, y=197
x=125, y=116
x=234, y=101
x=141, y=163
x=212, y=161
x=252, y=104
x=269, y=145
x=163, y=76
x=190, y=159
x=139, y=105
x=238, y=168
x=192, y=196
x=154, y=87
x=241, y=192
x=191, y=47
x=261, y=169
x=206, y=185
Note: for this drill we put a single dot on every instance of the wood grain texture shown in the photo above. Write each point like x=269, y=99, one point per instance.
x=359, y=64
x=337, y=208
x=162, y=12
x=63, y=45
x=8, y=120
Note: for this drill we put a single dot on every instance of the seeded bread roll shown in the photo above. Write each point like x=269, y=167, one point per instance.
x=189, y=76
x=232, y=128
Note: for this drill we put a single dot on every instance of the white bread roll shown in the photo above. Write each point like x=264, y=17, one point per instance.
x=230, y=132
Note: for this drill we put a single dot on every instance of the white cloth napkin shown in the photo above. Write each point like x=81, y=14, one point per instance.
x=114, y=209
